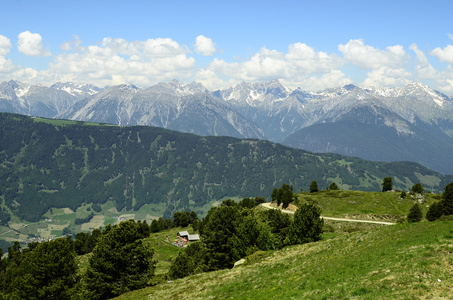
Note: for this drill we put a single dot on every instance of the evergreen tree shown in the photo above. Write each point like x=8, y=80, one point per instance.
x=49, y=271
x=120, y=263
x=333, y=186
x=307, y=225
x=154, y=227
x=418, y=188
x=447, y=200
x=279, y=224
x=221, y=236
x=314, y=187
x=387, y=184
x=274, y=195
x=181, y=267
x=434, y=211
x=191, y=261
x=247, y=203
x=415, y=214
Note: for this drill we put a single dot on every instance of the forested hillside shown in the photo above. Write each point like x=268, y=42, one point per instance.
x=50, y=164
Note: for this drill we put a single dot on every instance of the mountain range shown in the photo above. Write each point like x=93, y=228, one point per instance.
x=412, y=123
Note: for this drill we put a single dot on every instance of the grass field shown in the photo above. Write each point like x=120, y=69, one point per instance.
x=403, y=261
x=165, y=252
x=365, y=205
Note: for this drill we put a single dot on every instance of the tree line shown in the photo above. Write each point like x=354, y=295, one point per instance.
x=120, y=262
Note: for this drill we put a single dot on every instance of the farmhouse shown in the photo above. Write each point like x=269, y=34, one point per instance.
x=189, y=237
x=184, y=238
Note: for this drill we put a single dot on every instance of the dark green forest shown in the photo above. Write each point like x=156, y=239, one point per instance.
x=53, y=164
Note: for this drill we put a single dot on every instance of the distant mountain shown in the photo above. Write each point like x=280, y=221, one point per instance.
x=412, y=122
x=79, y=91
x=38, y=100
x=186, y=108
x=46, y=163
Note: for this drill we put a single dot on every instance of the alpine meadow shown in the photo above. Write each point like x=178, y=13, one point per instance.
x=226, y=150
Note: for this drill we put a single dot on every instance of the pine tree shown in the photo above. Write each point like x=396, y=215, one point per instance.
x=434, y=211
x=333, y=186
x=418, y=188
x=49, y=271
x=307, y=224
x=120, y=263
x=387, y=184
x=415, y=214
x=447, y=200
x=314, y=187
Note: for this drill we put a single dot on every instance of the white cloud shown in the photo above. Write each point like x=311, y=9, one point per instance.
x=368, y=57
x=450, y=36
x=117, y=60
x=423, y=69
x=333, y=78
x=295, y=68
x=204, y=46
x=73, y=45
x=31, y=44
x=5, y=45
x=387, y=77
x=305, y=59
x=445, y=54
x=145, y=62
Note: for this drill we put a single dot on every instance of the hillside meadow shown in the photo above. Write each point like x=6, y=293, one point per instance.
x=403, y=261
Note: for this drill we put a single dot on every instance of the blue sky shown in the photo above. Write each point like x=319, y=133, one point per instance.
x=309, y=44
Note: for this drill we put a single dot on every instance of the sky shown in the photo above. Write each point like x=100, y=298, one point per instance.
x=313, y=45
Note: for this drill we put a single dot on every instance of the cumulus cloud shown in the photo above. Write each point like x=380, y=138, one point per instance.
x=333, y=78
x=5, y=45
x=117, y=60
x=423, y=69
x=6, y=65
x=295, y=68
x=306, y=59
x=31, y=44
x=144, y=62
x=387, y=77
x=204, y=46
x=445, y=54
x=368, y=57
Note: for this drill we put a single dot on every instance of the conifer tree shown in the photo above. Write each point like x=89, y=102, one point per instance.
x=314, y=187
x=415, y=214
x=434, y=211
x=120, y=263
x=387, y=184
x=447, y=200
x=307, y=224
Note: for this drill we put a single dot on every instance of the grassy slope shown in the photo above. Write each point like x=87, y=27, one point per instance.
x=164, y=251
x=365, y=205
x=404, y=261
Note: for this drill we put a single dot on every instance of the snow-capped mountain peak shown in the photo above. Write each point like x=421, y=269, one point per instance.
x=77, y=90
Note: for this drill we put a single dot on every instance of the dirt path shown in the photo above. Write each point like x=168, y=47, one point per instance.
x=268, y=206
